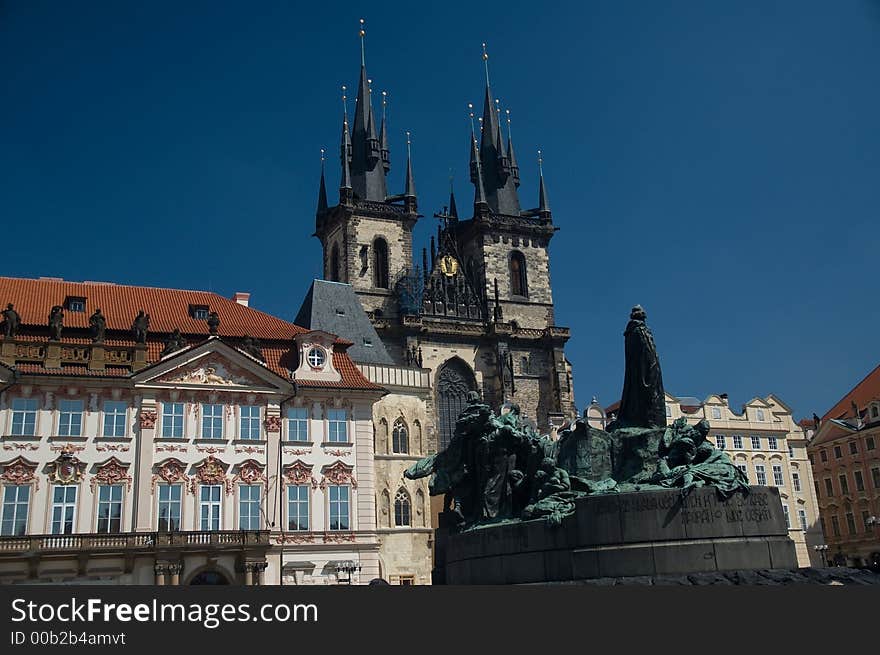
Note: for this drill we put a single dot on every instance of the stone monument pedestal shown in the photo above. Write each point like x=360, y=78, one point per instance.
x=644, y=533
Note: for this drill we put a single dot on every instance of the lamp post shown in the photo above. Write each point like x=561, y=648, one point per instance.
x=822, y=549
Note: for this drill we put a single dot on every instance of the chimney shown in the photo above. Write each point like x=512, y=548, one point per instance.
x=241, y=298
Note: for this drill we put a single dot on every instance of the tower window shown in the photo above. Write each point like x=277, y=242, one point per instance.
x=334, y=263
x=518, y=283
x=380, y=263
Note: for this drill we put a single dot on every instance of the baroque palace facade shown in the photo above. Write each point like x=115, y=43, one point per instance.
x=210, y=443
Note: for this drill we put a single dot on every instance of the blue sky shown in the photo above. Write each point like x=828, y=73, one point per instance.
x=716, y=162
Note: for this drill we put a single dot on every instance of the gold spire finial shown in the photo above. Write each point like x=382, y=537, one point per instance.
x=362, y=34
x=344, y=106
x=408, y=144
x=322, y=157
x=540, y=164
x=486, y=63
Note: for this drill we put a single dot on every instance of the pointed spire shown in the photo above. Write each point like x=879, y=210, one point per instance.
x=480, y=203
x=322, y=188
x=345, y=154
x=511, y=156
x=383, y=135
x=453, y=210
x=409, y=193
x=367, y=178
x=543, y=201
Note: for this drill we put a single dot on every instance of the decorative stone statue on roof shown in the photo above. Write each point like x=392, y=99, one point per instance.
x=11, y=321
x=213, y=321
x=252, y=347
x=174, y=343
x=98, y=326
x=56, y=322
x=140, y=327
x=642, y=403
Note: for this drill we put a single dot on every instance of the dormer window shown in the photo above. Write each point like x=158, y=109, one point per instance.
x=199, y=312
x=316, y=358
x=368, y=343
x=75, y=304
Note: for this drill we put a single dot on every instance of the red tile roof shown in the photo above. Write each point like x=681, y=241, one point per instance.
x=168, y=310
x=863, y=393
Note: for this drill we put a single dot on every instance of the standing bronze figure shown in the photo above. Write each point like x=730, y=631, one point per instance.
x=11, y=321
x=140, y=326
x=213, y=322
x=56, y=322
x=98, y=326
x=643, y=403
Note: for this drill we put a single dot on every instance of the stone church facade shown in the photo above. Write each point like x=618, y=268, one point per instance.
x=473, y=311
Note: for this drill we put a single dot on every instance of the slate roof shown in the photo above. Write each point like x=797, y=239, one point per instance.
x=334, y=307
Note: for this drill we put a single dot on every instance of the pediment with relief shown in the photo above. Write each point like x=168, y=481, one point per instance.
x=212, y=372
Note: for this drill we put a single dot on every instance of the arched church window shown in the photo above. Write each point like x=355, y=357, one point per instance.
x=380, y=263
x=518, y=283
x=334, y=263
x=402, y=509
x=454, y=381
x=400, y=438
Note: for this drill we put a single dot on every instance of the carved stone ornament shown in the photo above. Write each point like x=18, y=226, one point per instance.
x=20, y=471
x=211, y=471
x=273, y=424
x=299, y=473
x=211, y=373
x=250, y=471
x=67, y=469
x=170, y=471
x=338, y=473
x=148, y=419
x=111, y=472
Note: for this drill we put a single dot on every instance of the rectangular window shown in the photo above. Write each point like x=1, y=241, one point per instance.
x=844, y=484
x=860, y=481
x=760, y=414
x=744, y=468
x=829, y=490
x=338, y=425
x=720, y=441
x=668, y=410
x=760, y=474
x=796, y=480
x=169, y=507
x=823, y=455
x=339, y=508
x=115, y=418
x=716, y=412
x=850, y=522
x=63, y=509
x=250, y=422
x=875, y=477
x=756, y=443
x=70, y=418
x=802, y=519
x=835, y=526
x=249, y=507
x=737, y=441
x=865, y=515
x=24, y=417
x=210, y=499
x=853, y=448
x=15, y=510
x=869, y=443
x=110, y=508
x=838, y=453
x=212, y=421
x=790, y=451
x=816, y=484
x=772, y=443
x=298, y=507
x=172, y=420
x=787, y=517
x=778, y=480
x=297, y=424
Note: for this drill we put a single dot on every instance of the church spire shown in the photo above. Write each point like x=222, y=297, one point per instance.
x=383, y=136
x=322, y=188
x=480, y=203
x=409, y=194
x=367, y=176
x=453, y=210
x=345, y=190
x=543, y=201
x=511, y=157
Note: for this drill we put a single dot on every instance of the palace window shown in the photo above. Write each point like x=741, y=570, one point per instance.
x=400, y=437
x=380, y=263
x=210, y=504
x=796, y=480
x=869, y=443
x=835, y=526
x=737, y=442
x=339, y=507
x=63, y=509
x=860, y=481
x=720, y=441
x=172, y=420
x=70, y=418
x=337, y=423
x=115, y=418
x=838, y=453
x=15, y=510
x=744, y=468
x=851, y=523
x=802, y=519
x=787, y=517
x=402, y=509
x=297, y=424
x=829, y=488
x=110, y=508
x=518, y=282
x=298, y=507
x=212, y=421
x=250, y=422
x=756, y=443
x=778, y=480
x=823, y=455
x=772, y=443
x=249, y=507
x=875, y=477
x=844, y=484
x=853, y=448
x=760, y=474
x=169, y=507
x=24, y=417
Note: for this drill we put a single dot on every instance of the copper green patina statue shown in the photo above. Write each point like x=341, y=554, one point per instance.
x=497, y=468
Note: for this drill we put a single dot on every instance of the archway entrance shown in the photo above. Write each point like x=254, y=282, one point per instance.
x=453, y=383
x=209, y=577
